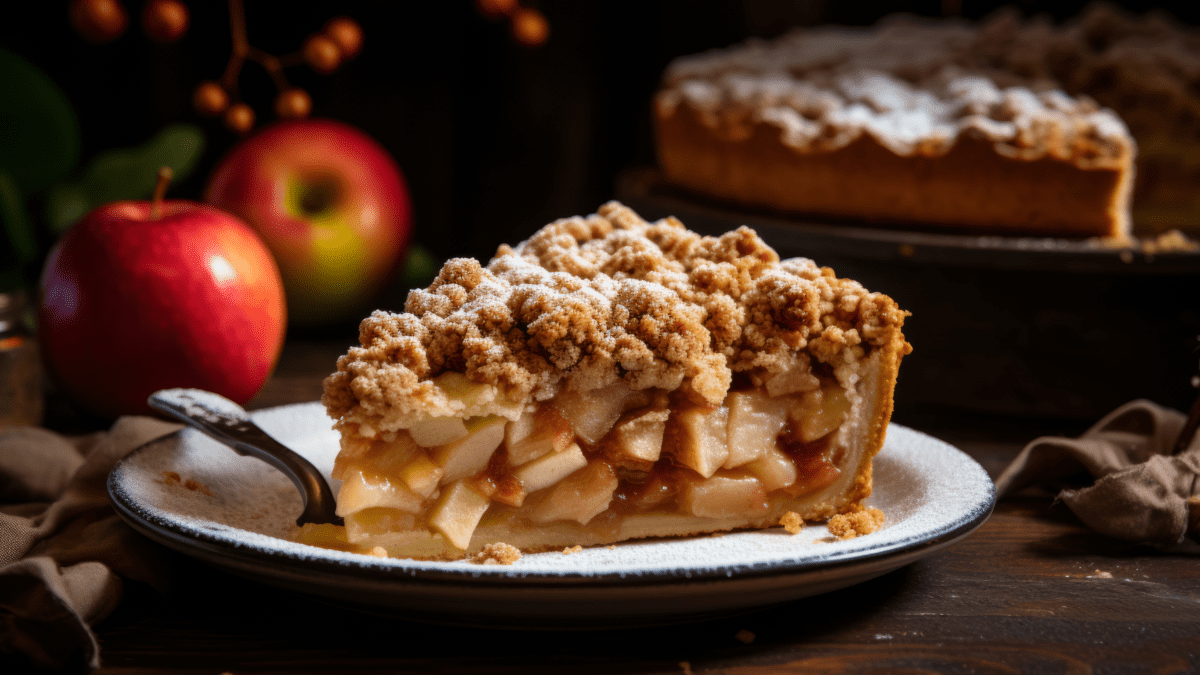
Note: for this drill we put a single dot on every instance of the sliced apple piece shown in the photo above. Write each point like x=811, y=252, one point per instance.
x=773, y=469
x=421, y=475
x=379, y=526
x=536, y=434
x=363, y=490
x=637, y=438
x=470, y=454
x=755, y=421
x=460, y=387
x=820, y=412
x=592, y=413
x=353, y=452
x=549, y=469
x=325, y=535
x=700, y=441
x=580, y=496
x=457, y=513
x=724, y=497
x=435, y=431
x=655, y=492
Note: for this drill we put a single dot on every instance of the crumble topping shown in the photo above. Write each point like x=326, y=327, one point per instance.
x=498, y=553
x=851, y=525
x=586, y=302
x=792, y=522
x=915, y=87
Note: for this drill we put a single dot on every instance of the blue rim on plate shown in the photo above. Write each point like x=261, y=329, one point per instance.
x=594, y=588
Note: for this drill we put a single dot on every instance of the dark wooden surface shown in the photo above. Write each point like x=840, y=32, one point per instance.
x=1031, y=591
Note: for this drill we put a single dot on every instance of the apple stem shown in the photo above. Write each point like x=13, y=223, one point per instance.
x=160, y=190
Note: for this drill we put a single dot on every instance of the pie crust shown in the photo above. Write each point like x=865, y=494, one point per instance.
x=610, y=379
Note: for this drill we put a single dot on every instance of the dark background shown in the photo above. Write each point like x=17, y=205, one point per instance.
x=495, y=139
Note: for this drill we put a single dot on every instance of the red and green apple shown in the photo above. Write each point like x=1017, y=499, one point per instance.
x=332, y=205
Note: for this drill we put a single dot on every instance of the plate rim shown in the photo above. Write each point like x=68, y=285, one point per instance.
x=210, y=544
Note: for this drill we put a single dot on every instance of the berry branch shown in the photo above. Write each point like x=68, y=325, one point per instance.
x=164, y=21
x=324, y=52
x=529, y=26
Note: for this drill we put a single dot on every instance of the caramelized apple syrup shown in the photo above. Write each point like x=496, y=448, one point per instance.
x=663, y=453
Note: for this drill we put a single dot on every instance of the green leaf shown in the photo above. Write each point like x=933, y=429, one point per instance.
x=15, y=220
x=39, y=135
x=19, y=248
x=126, y=173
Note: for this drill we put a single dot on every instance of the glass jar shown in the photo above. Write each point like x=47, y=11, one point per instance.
x=20, y=365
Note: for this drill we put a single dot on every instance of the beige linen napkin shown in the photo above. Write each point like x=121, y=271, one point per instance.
x=63, y=550
x=1141, y=492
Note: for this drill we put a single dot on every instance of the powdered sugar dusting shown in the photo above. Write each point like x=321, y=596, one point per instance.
x=924, y=487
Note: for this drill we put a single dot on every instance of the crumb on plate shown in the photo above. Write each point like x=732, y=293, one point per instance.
x=851, y=525
x=498, y=553
x=792, y=522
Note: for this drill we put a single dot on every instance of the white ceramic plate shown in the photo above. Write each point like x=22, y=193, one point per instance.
x=233, y=512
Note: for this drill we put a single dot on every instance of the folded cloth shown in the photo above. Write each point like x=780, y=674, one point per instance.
x=1141, y=492
x=63, y=550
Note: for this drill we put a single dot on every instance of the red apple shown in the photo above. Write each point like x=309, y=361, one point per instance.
x=132, y=303
x=332, y=206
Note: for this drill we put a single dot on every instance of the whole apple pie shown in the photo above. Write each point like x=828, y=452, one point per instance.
x=611, y=379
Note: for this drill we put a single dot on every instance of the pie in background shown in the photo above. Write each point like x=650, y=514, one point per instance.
x=908, y=122
x=611, y=379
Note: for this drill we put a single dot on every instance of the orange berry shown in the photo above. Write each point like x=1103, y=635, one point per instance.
x=293, y=104
x=346, y=33
x=165, y=20
x=210, y=99
x=529, y=27
x=494, y=9
x=239, y=117
x=322, y=54
x=98, y=21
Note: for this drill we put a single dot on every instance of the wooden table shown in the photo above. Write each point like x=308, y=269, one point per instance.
x=1031, y=591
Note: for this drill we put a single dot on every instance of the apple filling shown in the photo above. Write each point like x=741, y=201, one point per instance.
x=601, y=466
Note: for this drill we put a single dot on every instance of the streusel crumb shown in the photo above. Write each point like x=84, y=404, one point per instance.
x=851, y=525
x=498, y=553
x=572, y=549
x=792, y=522
x=585, y=302
x=378, y=552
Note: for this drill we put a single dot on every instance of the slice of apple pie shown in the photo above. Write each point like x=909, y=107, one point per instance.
x=611, y=379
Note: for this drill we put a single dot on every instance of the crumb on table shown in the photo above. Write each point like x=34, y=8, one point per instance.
x=498, y=553
x=792, y=522
x=851, y=525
